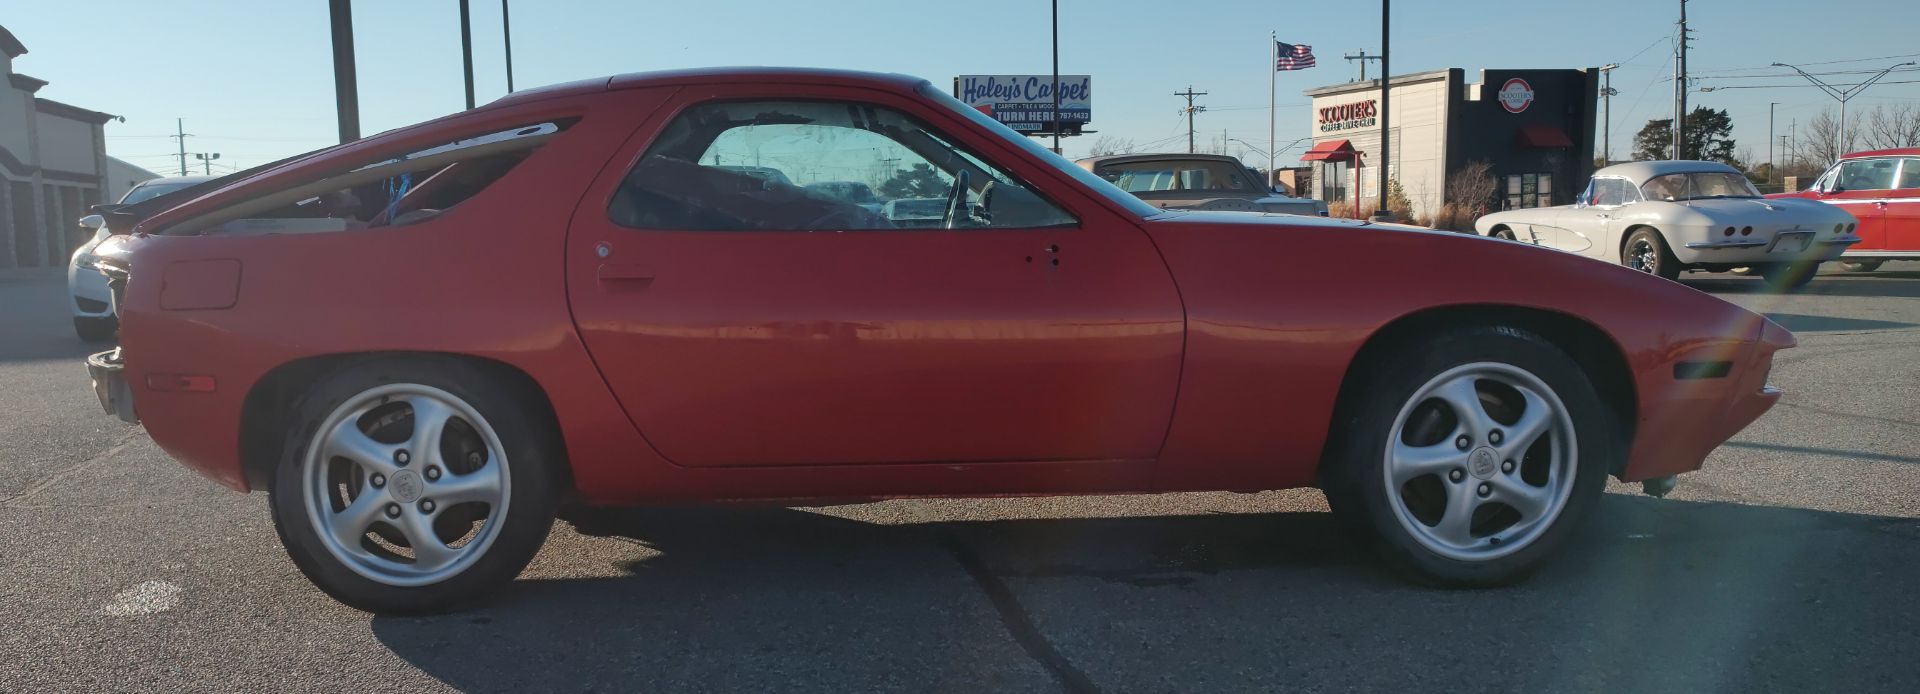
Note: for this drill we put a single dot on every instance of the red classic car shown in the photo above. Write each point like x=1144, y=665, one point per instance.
x=1882, y=189
x=423, y=343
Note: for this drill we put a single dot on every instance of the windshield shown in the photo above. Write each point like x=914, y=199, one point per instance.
x=153, y=190
x=1058, y=162
x=1698, y=186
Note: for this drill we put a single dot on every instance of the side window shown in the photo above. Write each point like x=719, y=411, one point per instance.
x=1609, y=192
x=817, y=166
x=1866, y=174
x=1909, y=173
x=408, y=188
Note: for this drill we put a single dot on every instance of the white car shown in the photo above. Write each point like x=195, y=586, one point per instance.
x=90, y=303
x=1663, y=217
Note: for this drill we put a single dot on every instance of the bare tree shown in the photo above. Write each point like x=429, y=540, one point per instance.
x=1822, y=143
x=1112, y=144
x=1893, y=125
x=1472, y=187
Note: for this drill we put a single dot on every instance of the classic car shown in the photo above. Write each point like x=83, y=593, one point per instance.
x=571, y=308
x=1881, y=188
x=1211, y=182
x=1665, y=217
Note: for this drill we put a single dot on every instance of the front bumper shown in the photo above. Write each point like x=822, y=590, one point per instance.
x=110, y=385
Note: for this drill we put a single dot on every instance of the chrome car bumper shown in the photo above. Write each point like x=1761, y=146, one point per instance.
x=110, y=385
x=1782, y=247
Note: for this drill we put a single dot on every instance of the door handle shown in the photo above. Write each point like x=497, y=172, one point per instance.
x=623, y=272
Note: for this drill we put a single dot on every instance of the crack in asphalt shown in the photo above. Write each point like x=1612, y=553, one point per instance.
x=37, y=487
x=1018, y=622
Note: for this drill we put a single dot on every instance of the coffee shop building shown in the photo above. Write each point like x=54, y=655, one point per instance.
x=1534, y=128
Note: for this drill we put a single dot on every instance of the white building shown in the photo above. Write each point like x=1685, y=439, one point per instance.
x=53, y=166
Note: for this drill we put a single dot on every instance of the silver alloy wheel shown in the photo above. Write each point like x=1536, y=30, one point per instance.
x=388, y=502
x=1642, y=256
x=1472, y=484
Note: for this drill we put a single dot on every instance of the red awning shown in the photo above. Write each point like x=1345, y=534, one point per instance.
x=1540, y=136
x=1331, y=150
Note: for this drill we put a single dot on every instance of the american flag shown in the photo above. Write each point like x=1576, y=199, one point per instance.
x=1292, y=57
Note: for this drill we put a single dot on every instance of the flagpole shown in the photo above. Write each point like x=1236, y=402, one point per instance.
x=1273, y=72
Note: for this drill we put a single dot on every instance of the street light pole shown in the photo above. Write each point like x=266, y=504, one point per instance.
x=1056, y=76
x=1845, y=95
x=466, y=49
x=1773, y=169
x=346, y=89
x=1386, y=92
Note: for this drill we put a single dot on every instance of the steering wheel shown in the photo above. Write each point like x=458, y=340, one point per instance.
x=956, y=201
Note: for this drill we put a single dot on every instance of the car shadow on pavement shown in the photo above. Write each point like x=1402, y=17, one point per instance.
x=1802, y=323
x=1649, y=595
x=1883, y=283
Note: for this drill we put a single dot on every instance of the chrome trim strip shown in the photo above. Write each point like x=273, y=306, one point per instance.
x=1711, y=245
x=1840, y=242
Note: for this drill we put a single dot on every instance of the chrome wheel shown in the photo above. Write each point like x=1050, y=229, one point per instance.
x=406, y=484
x=1643, y=256
x=1481, y=460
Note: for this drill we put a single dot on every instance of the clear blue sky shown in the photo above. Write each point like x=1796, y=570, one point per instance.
x=254, y=80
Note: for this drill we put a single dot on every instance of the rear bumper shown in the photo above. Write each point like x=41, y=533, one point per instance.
x=1782, y=247
x=110, y=385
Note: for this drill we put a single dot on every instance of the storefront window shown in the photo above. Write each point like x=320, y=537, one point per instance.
x=1529, y=190
x=1333, y=181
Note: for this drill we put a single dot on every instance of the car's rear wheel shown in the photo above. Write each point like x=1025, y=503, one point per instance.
x=1502, y=233
x=1861, y=266
x=1646, y=250
x=95, y=329
x=1466, y=457
x=1789, y=276
x=414, y=485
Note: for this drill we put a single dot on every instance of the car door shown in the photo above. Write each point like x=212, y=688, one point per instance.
x=1862, y=188
x=1900, y=212
x=745, y=323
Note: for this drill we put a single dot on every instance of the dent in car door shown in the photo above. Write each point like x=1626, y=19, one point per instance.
x=760, y=348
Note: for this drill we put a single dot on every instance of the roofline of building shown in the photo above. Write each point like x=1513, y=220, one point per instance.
x=1396, y=80
x=25, y=83
x=51, y=107
x=13, y=47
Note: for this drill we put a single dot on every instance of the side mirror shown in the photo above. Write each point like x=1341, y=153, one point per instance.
x=92, y=222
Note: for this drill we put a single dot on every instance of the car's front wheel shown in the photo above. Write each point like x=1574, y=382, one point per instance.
x=1466, y=457
x=414, y=485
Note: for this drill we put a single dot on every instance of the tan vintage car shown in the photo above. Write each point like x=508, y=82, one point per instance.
x=1213, y=182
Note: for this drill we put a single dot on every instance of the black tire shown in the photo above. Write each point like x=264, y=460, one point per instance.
x=535, y=473
x=95, y=329
x=1355, y=477
x=1647, y=251
x=1861, y=266
x=1788, y=277
x=1502, y=233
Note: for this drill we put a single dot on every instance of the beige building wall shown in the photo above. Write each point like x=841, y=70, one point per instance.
x=1417, y=123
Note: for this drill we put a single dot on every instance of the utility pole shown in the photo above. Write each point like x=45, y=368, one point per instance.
x=181, y=125
x=1680, y=86
x=1773, y=168
x=1784, y=152
x=206, y=160
x=506, y=36
x=1363, y=58
x=1386, y=91
x=346, y=89
x=1606, y=109
x=1845, y=95
x=466, y=49
x=1190, y=110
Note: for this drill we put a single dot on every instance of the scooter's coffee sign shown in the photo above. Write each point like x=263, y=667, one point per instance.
x=1516, y=95
x=1359, y=114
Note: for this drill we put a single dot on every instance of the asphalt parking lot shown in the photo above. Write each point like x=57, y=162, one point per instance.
x=1789, y=563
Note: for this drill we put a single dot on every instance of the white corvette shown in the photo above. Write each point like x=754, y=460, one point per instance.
x=1663, y=217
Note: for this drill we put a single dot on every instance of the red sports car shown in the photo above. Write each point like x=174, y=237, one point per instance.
x=423, y=343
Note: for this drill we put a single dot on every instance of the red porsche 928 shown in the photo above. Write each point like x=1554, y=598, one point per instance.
x=629, y=291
